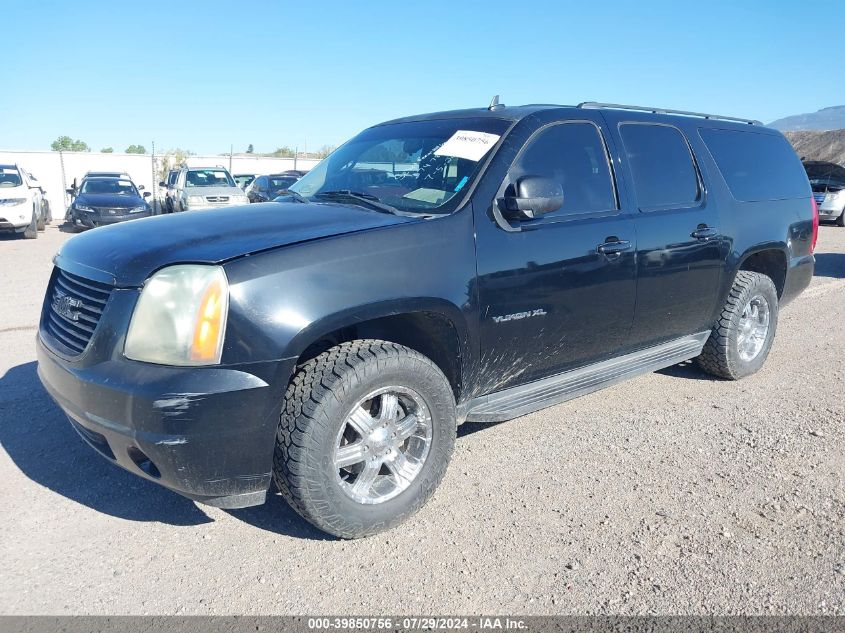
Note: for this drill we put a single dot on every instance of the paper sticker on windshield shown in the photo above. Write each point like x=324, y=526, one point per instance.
x=468, y=144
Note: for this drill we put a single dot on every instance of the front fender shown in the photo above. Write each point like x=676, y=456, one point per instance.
x=282, y=301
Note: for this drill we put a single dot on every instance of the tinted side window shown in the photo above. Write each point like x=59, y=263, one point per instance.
x=661, y=165
x=757, y=166
x=574, y=155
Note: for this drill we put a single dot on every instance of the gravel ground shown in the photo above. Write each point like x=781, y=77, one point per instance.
x=670, y=494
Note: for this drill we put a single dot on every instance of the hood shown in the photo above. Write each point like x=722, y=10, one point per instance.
x=21, y=191
x=830, y=172
x=110, y=200
x=126, y=254
x=214, y=191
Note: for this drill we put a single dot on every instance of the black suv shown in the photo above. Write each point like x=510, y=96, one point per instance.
x=468, y=265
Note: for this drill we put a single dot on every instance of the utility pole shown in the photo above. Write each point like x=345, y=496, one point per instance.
x=295, y=154
x=155, y=180
x=231, y=149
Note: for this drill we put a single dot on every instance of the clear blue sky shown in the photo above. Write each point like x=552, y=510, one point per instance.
x=202, y=75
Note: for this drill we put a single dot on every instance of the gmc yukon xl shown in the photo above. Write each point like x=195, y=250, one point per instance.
x=468, y=265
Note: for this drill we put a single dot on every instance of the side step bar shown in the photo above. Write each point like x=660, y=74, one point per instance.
x=516, y=401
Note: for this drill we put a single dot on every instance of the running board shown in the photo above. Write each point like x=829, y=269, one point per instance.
x=516, y=401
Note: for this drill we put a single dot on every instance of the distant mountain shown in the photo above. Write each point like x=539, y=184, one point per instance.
x=829, y=146
x=832, y=118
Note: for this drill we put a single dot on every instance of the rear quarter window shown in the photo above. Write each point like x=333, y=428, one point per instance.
x=756, y=166
x=661, y=165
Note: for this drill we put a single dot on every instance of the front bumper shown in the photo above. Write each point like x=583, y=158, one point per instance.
x=10, y=220
x=9, y=227
x=206, y=433
x=93, y=220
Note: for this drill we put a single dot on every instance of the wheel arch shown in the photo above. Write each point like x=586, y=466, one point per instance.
x=768, y=259
x=433, y=327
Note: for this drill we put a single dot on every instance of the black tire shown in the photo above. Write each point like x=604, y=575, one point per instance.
x=31, y=232
x=317, y=403
x=40, y=223
x=720, y=355
x=840, y=221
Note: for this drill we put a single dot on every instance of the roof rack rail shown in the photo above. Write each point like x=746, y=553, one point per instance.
x=617, y=106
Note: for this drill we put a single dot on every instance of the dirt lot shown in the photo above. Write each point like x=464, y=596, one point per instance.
x=671, y=494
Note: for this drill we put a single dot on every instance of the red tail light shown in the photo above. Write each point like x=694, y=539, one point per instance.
x=815, y=226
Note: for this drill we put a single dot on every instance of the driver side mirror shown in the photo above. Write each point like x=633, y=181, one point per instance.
x=147, y=194
x=535, y=196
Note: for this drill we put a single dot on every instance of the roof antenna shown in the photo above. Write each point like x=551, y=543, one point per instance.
x=494, y=104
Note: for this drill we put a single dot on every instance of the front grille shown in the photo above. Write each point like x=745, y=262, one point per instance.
x=112, y=211
x=217, y=198
x=75, y=305
x=819, y=197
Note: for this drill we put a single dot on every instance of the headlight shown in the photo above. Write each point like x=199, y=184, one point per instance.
x=195, y=200
x=180, y=318
x=240, y=199
x=137, y=209
x=82, y=207
x=12, y=202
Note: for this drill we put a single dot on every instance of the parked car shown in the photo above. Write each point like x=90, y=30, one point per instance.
x=542, y=252
x=828, y=183
x=101, y=200
x=244, y=180
x=197, y=188
x=265, y=188
x=46, y=211
x=168, y=188
x=23, y=206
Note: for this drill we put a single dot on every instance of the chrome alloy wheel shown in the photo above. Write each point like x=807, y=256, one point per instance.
x=383, y=444
x=753, y=328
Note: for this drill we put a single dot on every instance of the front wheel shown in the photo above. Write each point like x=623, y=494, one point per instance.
x=840, y=221
x=31, y=231
x=366, y=432
x=743, y=335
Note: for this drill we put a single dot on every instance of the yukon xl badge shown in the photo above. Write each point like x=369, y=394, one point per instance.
x=516, y=316
x=64, y=305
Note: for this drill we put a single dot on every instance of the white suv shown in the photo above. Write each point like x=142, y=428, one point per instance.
x=22, y=207
x=206, y=188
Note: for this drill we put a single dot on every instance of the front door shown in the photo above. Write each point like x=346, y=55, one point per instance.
x=558, y=291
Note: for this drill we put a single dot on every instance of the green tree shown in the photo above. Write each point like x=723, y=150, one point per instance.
x=107, y=150
x=136, y=149
x=67, y=144
x=325, y=150
x=250, y=150
x=172, y=159
x=284, y=152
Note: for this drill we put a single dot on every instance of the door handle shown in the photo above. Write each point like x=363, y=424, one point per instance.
x=613, y=247
x=705, y=233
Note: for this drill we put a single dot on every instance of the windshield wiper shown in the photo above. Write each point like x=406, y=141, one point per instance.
x=292, y=194
x=358, y=196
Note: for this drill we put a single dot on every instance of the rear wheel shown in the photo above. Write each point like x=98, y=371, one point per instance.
x=364, y=438
x=40, y=223
x=743, y=335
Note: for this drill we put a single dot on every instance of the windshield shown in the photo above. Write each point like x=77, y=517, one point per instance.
x=418, y=166
x=825, y=172
x=280, y=183
x=9, y=177
x=109, y=185
x=243, y=180
x=209, y=178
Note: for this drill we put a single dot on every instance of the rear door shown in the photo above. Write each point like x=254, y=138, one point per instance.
x=549, y=298
x=680, y=248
